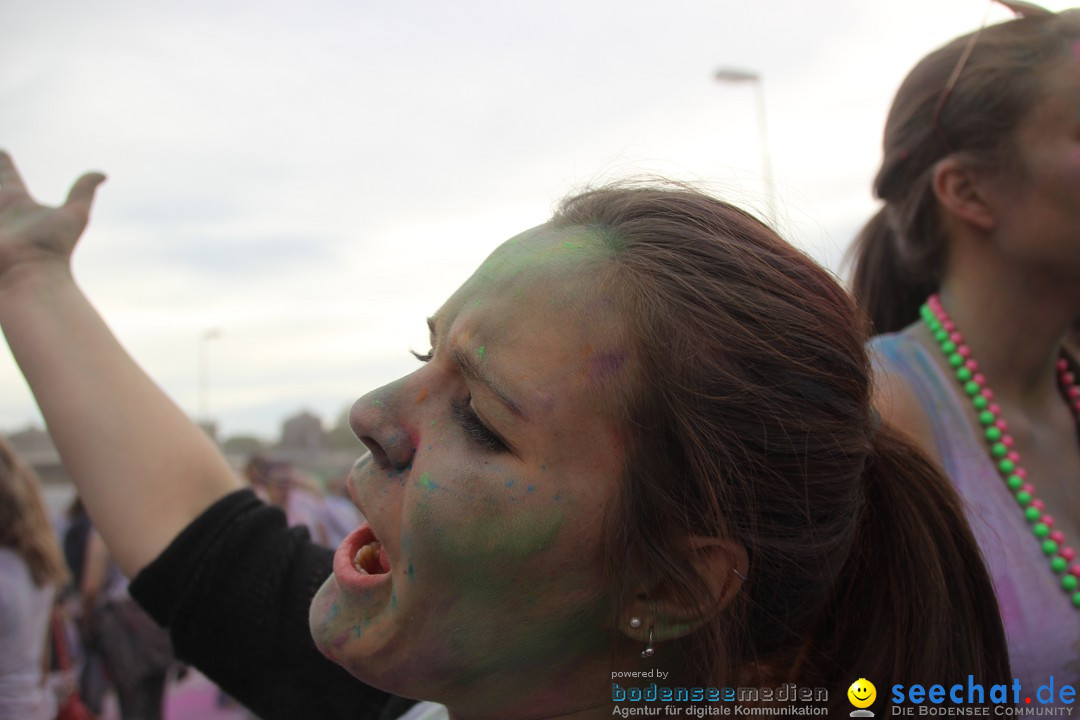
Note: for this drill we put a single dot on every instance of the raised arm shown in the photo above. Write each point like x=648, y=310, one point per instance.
x=143, y=468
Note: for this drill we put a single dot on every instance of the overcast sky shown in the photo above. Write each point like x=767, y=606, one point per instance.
x=310, y=180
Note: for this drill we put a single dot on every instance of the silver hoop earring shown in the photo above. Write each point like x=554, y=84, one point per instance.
x=635, y=622
x=741, y=576
x=648, y=651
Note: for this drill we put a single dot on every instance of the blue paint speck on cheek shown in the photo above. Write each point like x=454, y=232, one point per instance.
x=398, y=474
x=510, y=482
x=530, y=488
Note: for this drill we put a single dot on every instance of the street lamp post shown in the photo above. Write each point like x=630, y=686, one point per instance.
x=733, y=75
x=204, y=377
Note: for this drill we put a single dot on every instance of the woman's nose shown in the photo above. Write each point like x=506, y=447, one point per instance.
x=375, y=420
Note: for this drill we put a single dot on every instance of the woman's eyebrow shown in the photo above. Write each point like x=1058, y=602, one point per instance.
x=475, y=372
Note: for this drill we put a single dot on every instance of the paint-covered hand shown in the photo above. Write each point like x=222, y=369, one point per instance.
x=36, y=236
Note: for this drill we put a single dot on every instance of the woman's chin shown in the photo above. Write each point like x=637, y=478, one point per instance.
x=337, y=636
x=328, y=625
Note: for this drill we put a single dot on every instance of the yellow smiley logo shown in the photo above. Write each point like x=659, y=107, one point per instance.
x=862, y=693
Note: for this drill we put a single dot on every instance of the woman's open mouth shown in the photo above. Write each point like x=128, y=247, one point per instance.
x=371, y=559
x=361, y=562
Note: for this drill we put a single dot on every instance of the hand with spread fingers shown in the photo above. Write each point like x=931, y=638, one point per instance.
x=79, y=373
x=31, y=232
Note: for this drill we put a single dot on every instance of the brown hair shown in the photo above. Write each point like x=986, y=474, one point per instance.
x=750, y=419
x=899, y=255
x=24, y=523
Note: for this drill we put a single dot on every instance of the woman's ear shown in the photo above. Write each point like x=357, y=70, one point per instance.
x=964, y=193
x=669, y=612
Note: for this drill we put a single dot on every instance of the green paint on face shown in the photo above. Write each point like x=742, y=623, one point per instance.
x=378, y=403
x=426, y=482
x=501, y=539
x=479, y=542
x=481, y=352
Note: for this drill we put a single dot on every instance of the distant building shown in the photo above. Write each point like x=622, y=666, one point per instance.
x=304, y=443
x=303, y=432
x=37, y=448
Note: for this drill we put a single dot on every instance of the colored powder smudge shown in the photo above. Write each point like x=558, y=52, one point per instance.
x=510, y=483
x=422, y=395
x=571, y=246
x=481, y=352
x=378, y=403
x=605, y=364
x=426, y=482
x=530, y=488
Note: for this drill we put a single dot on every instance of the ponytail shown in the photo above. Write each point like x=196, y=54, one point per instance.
x=914, y=602
x=747, y=418
x=882, y=280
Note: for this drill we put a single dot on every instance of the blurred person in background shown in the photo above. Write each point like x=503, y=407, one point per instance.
x=32, y=571
x=93, y=681
x=136, y=653
x=327, y=514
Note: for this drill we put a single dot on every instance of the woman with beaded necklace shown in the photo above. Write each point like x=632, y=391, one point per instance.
x=972, y=272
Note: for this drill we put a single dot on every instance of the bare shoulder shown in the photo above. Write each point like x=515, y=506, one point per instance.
x=896, y=400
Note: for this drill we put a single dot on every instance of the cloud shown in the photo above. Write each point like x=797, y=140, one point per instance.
x=315, y=178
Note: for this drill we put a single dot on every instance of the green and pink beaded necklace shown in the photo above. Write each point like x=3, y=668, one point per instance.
x=1000, y=443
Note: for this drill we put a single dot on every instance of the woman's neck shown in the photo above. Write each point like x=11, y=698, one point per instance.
x=1015, y=323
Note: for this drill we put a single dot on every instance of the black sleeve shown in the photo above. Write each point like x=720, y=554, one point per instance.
x=234, y=589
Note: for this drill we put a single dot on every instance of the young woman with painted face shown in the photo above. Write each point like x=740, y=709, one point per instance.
x=981, y=223
x=641, y=439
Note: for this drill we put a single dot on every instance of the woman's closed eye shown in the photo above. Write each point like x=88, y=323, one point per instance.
x=467, y=418
x=475, y=428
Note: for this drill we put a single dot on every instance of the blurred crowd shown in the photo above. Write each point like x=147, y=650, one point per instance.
x=70, y=634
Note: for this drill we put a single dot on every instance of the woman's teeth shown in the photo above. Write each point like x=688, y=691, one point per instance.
x=368, y=560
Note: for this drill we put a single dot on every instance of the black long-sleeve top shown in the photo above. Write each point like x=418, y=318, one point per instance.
x=234, y=590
